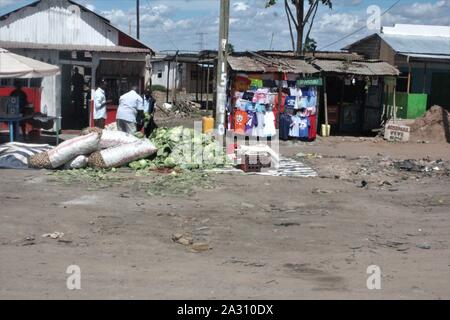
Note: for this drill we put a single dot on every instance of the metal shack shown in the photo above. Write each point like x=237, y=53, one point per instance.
x=85, y=46
x=422, y=54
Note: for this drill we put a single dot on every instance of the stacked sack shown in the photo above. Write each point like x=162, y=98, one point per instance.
x=101, y=149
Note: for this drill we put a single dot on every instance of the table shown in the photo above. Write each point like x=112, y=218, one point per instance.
x=13, y=123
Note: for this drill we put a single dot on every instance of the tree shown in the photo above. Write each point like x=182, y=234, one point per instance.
x=310, y=44
x=300, y=19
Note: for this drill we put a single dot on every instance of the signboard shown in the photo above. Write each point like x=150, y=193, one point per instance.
x=310, y=82
x=397, y=133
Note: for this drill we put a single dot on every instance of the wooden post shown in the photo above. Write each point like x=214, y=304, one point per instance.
x=168, y=81
x=394, y=103
x=280, y=96
x=325, y=100
x=409, y=79
x=207, y=90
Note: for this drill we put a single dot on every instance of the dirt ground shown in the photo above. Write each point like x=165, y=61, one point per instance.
x=267, y=237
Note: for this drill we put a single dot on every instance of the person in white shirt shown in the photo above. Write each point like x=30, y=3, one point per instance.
x=100, y=104
x=130, y=111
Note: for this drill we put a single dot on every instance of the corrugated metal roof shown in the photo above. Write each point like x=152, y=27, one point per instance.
x=428, y=56
x=64, y=47
x=334, y=55
x=418, y=44
x=363, y=68
x=267, y=65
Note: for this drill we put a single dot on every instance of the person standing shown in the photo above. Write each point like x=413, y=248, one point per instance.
x=100, y=104
x=149, y=110
x=130, y=111
x=23, y=102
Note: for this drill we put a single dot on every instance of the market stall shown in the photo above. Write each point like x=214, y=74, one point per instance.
x=271, y=95
x=12, y=110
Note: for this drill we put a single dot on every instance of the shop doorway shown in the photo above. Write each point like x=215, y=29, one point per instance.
x=75, y=96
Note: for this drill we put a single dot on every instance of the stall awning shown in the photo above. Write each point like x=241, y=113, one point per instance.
x=16, y=66
x=362, y=68
x=249, y=63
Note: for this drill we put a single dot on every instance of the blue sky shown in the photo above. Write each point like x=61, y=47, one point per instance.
x=175, y=24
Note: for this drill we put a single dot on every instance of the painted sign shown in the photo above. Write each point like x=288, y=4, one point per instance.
x=397, y=133
x=310, y=82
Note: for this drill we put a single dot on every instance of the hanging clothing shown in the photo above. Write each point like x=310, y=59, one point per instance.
x=252, y=122
x=258, y=130
x=269, y=125
x=240, y=120
x=294, y=127
x=291, y=102
x=285, y=124
x=242, y=83
x=256, y=83
x=248, y=95
x=304, y=125
x=296, y=92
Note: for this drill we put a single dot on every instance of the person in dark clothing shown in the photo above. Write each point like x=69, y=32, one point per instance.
x=23, y=102
x=149, y=109
x=78, y=83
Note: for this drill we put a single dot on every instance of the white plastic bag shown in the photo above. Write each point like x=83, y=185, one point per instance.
x=79, y=162
x=121, y=155
x=73, y=148
x=110, y=139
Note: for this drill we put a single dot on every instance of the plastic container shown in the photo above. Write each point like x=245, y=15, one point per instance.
x=208, y=124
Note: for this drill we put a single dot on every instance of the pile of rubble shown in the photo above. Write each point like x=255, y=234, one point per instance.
x=185, y=108
x=433, y=126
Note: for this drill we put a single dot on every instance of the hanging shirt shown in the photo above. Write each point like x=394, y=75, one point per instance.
x=294, y=127
x=240, y=120
x=285, y=124
x=283, y=103
x=242, y=83
x=269, y=125
x=252, y=121
x=258, y=130
x=99, y=104
x=291, y=102
x=256, y=83
x=129, y=105
x=304, y=125
x=248, y=95
x=296, y=92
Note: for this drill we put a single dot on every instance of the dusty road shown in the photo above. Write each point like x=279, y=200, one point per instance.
x=268, y=237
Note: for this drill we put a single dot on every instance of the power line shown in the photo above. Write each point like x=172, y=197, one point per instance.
x=360, y=29
x=164, y=31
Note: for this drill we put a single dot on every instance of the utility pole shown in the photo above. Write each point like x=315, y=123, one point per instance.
x=222, y=75
x=138, y=21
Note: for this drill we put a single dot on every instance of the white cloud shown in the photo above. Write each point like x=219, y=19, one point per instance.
x=240, y=6
x=5, y=3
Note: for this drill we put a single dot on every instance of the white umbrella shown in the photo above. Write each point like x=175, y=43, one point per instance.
x=15, y=66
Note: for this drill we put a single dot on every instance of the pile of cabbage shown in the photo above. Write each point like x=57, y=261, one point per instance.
x=185, y=149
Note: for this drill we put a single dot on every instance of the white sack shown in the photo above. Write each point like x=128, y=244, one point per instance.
x=110, y=139
x=73, y=148
x=79, y=162
x=121, y=155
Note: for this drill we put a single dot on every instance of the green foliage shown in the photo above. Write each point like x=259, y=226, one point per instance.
x=185, y=149
x=158, y=87
x=329, y=3
x=310, y=45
